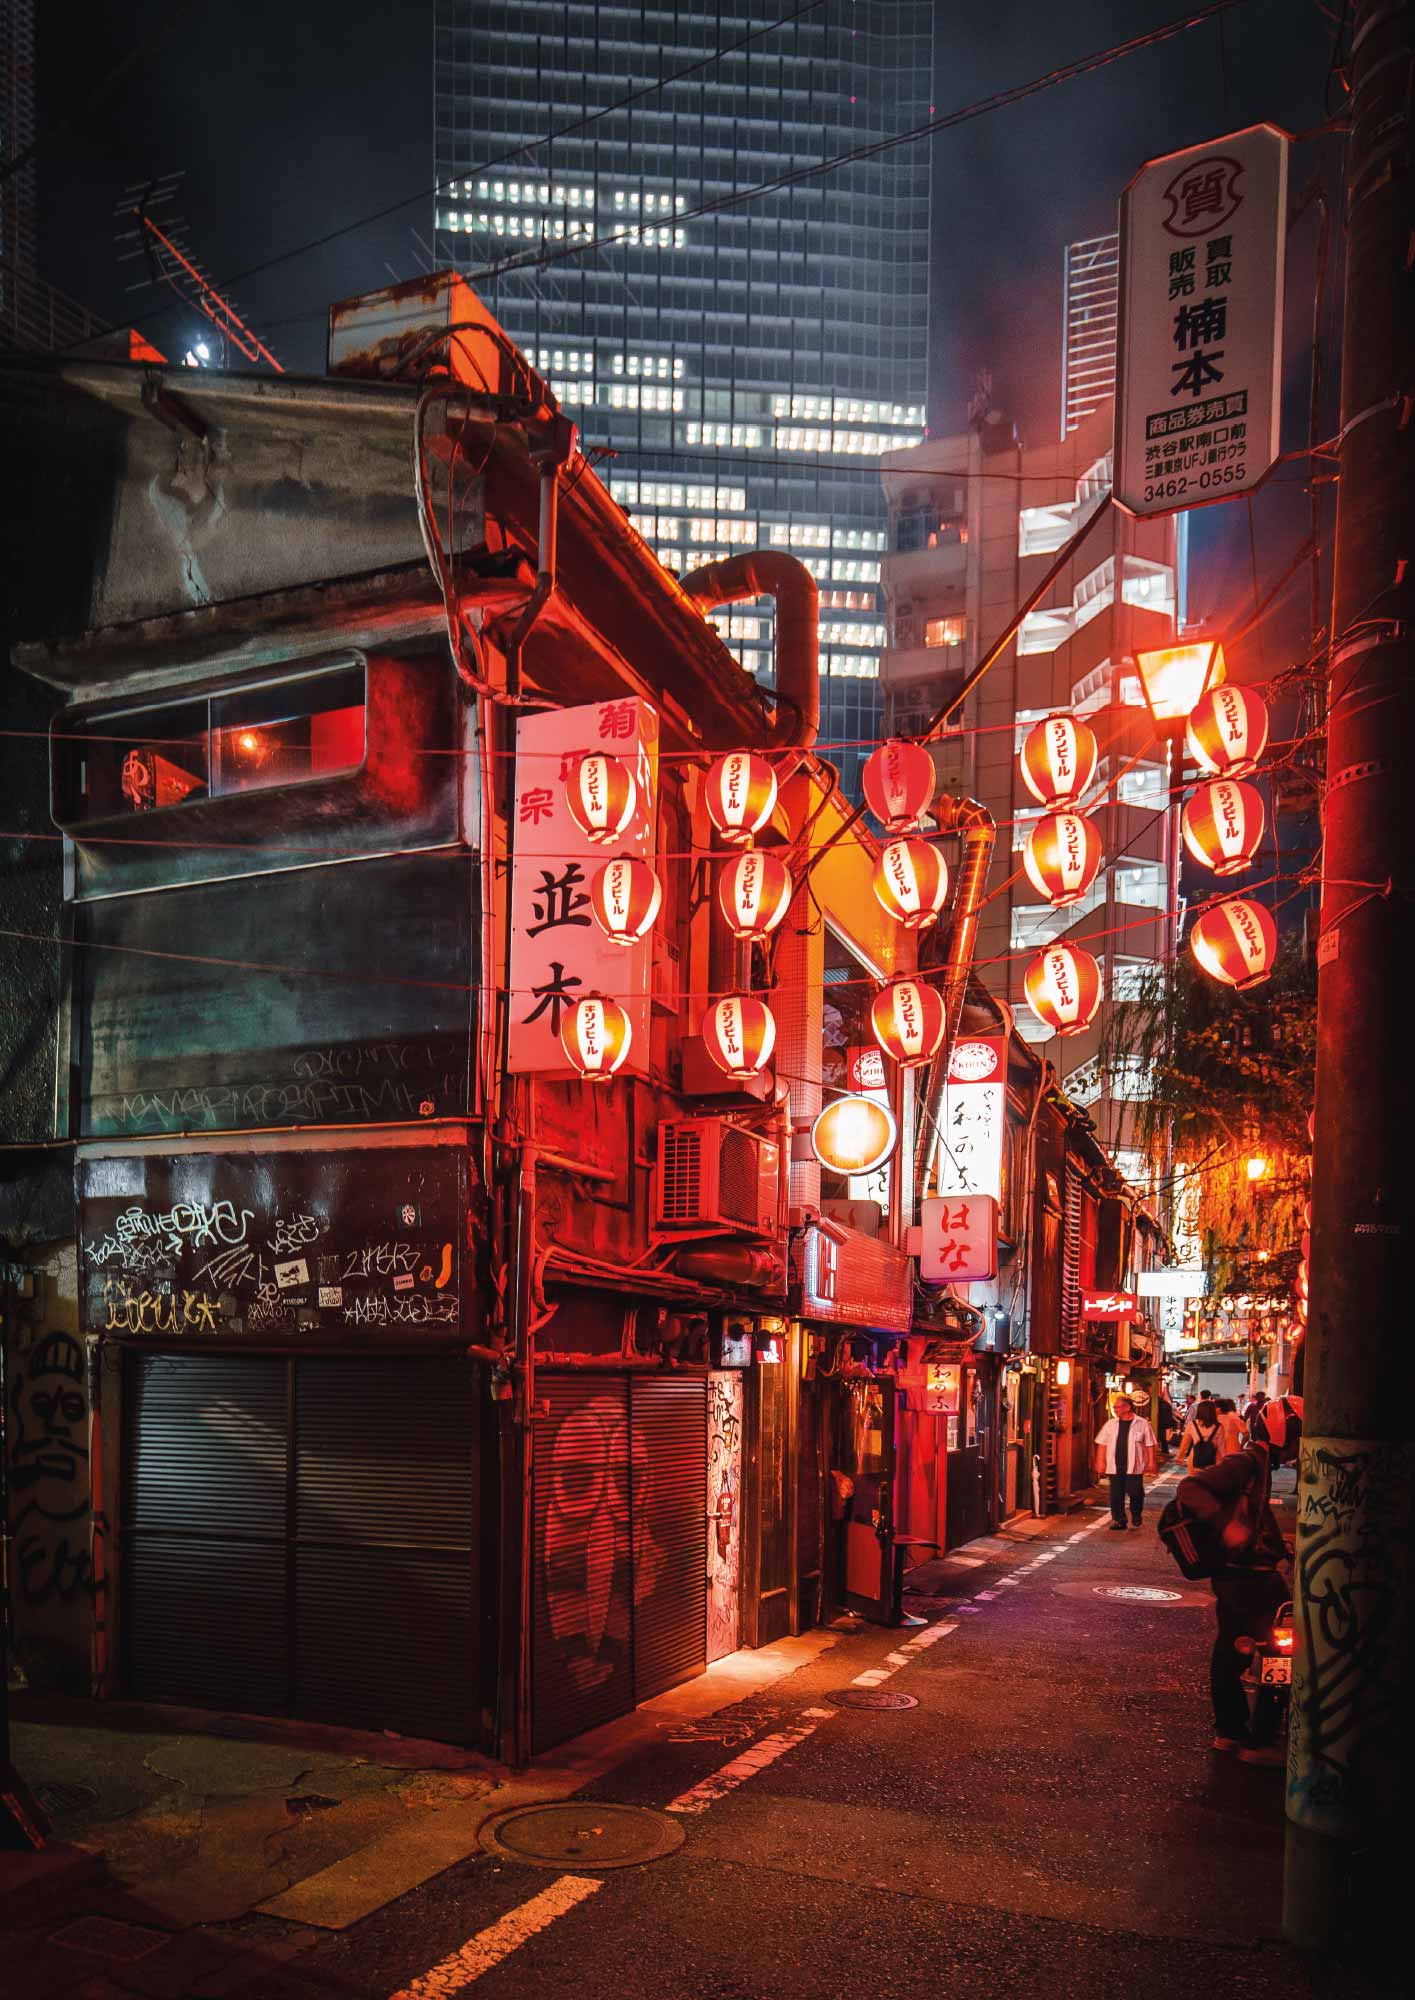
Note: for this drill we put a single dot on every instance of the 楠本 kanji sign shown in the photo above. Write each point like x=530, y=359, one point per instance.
x=558, y=951
x=1198, y=372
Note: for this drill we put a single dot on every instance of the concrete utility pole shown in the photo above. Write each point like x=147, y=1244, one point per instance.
x=1349, y=1762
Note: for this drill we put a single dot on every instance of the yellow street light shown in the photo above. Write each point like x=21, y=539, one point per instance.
x=1176, y=678
x=1257, y=1167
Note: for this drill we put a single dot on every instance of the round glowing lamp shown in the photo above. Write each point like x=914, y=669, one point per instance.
x=854, y=1135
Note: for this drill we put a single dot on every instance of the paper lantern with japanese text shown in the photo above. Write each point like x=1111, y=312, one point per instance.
x=1235, y=941
x=595, y=1034
x=1058, y=760
x=1062, y=857
x=1228, y=732
x=911, y=882
x=754, y=893
x=739, y=1033
x=741, y=795
x=899, y=782
x=1063, y=988
x=601, y=794
x=1223, y=824
x=908, y=1019
x=625, y=896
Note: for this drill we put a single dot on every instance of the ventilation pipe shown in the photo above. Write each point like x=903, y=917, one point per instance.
x=979, y=832
x=772, y=573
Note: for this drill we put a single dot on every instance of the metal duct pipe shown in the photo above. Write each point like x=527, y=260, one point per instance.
x=772, y=573
x=979, y=832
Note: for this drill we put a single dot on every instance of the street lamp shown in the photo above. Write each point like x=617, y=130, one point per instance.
x=1176, y=678
x=1257, y=1167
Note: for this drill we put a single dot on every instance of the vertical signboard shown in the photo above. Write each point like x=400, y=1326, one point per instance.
x=958, y=1240
x=1202, y=236
x=558, y=951
x=974, y=1118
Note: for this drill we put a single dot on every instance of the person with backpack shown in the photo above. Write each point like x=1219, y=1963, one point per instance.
x=1125, y=1452
x=1202, y=1442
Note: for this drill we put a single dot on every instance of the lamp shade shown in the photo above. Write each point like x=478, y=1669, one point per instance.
x=1062, y=857
x=601, y=794
x=1223, y=824
x=1176, y=678
x=1058, y=760
x=1228, y=732
x=854, y=1135
x=741, y=795
x=1235, y=941
x=739, y=1033
x=754, y=893
x=595, y=1034
x=908, y=1019
x=1063, y=988
x=911, y=881
x=625, y=897
x=899, y=782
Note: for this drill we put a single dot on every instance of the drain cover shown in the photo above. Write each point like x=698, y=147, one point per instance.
x=872, y=1698
x=1139, y=1593
x=108, y=1937
x=582, y=1833
x=57, y=1797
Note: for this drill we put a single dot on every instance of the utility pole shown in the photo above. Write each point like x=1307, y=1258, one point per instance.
x=1349, y=1761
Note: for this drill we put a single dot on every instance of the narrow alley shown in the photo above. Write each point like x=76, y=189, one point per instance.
x=1027, y=1799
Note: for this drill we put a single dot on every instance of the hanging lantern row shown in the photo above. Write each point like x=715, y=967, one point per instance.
x=625, y=896
x=1223, y=825
x=1058, y=760
x=909, y=1020
x=911, y=882
x=754, y=893
x=601, y=794
x=741, y=795
x=898, y=783
x=595, y=1034
x=1235, y=941
x=739, y=1033
x=1062, y=857
x=1063, y=988
x=1228, y=732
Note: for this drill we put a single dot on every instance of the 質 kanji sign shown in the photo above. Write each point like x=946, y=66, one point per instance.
x=1198, y=380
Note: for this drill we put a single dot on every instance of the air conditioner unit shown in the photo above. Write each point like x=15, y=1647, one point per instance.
x=714, y=1179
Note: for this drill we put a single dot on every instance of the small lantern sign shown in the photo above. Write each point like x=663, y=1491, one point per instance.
x=911, y=882
x=1058, y=760
x=899, y=782
x=908, y=1019
x=1062, y=857
x=625, y=896
x=754, y=893
x=854, y=1135
x=1228, y=732
x=1223, y=825
x=741, y=796
x=601, y=794
x=1235, y=941
x=1063, y=988
x=739, y=1033
x=595, y=1034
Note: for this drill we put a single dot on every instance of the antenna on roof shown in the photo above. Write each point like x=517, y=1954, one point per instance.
x=158, y=239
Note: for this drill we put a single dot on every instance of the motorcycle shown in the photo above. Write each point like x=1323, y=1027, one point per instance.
x=1267, y=1678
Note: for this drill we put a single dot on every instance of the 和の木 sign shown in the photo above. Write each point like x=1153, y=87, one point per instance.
x=1198, y=379
x=973, y=1120
x=558, y=952
x=958, y=1239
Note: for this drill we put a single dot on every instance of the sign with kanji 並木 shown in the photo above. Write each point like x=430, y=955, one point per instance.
x=558, y=952
x=1199, y=360
x=957, y=1239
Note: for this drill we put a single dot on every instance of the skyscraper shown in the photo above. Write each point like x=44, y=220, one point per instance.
x=745, y=367
x=1088, y=327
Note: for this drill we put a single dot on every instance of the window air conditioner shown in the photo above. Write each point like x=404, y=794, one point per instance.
x=715, y=1179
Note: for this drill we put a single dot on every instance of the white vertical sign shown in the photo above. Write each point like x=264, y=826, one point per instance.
x=974, y=1119
x=1199, y=375
x=558, y=951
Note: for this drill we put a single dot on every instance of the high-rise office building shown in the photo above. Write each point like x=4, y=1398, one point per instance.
x=1090, y=317
x=743, y=368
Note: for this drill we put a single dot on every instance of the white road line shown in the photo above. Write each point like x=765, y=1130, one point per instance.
x=872, y=1677
x=487, y=1949
x=986, y=1596
x=699, y=1797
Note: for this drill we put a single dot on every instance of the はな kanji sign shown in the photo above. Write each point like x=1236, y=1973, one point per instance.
x=958, y=1239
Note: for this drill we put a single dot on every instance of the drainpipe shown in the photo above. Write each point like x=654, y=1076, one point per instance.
x=772, y=573
x=550, y=449
x=979, y=832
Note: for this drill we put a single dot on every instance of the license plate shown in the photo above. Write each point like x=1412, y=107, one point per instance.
x=1276, y=1671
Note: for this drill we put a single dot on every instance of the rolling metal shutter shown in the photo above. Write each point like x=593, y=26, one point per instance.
x=668, y=1483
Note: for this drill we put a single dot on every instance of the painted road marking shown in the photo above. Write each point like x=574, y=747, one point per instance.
x=487, y=1949
x=699, y=1797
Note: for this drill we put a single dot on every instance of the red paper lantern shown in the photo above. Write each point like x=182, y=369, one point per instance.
x=1063, y=988
x=1058, y=760
x=625, y=896
x=595, y=1034
x=899, y=781
x=1228, y=732
x=739, y=1033
x=911, y=881
x=754, y=893
x=1235, y=941
x=908, y=1019
x=1062, y=857
x=1223, y=824
x=741, y=795
x=601, y=794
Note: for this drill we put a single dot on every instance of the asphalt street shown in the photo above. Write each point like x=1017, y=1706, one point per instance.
x=1046, y=1815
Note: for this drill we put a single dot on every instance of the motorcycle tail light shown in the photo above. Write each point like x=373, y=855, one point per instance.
x=1284, y=1640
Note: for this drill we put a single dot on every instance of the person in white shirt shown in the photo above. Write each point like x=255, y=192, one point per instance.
x=1125, y=1451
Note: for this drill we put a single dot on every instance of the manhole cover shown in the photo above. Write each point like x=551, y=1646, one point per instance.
x=872, y=1698
x=582, y=1833
x=57, y=1798
x=1139, y=1593
x=108, y=1937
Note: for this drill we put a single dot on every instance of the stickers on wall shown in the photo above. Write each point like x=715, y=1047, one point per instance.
x=331, y=1295
x=295, y=1272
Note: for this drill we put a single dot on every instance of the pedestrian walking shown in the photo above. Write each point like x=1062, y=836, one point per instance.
x=1235, y=1431
x=1254, y=1403
x=1167, y=1424
x=1202, y=1442
x=1125, y=1452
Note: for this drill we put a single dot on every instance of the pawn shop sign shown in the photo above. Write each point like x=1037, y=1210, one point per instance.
x=1110, y=1305
x=958, y=1239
